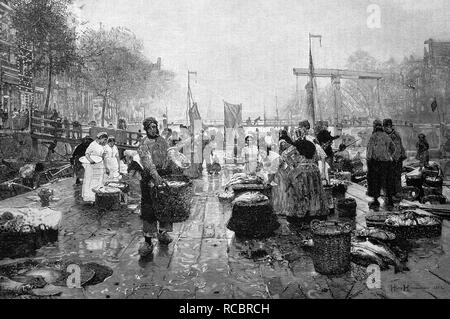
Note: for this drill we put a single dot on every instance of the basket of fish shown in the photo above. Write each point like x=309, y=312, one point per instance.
x=252, y=216
x=412, y=225
x=332, y=247
x=172, y=201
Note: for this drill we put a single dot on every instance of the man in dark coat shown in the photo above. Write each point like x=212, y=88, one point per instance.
x=398, y=157
x=380, y=152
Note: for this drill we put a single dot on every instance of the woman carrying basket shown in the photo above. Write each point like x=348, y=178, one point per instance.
x=153, y=153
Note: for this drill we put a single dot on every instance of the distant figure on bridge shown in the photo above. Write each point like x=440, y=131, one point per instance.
x=258, y=119
x=249, y=121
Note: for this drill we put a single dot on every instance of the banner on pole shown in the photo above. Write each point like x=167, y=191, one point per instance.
x=233, y=115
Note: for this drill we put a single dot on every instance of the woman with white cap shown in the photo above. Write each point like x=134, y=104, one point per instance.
x=94, y=168
x=112, y=160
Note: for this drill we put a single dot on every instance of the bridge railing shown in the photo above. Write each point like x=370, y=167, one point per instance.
x=69, y=132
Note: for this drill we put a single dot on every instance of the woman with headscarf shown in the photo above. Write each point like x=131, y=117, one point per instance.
x=300, y=193
x=112, y=160
x=94, y=171
x=380, y=152
x=423, y=150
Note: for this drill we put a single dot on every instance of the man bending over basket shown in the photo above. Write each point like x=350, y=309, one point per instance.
x=154, y=159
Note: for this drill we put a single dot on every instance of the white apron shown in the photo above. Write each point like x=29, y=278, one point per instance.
x=93, y=173
x=111, y=162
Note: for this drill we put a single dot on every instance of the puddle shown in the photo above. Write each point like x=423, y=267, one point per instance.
x=49, y=278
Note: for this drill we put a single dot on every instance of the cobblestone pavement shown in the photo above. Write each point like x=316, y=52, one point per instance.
x=207, y=261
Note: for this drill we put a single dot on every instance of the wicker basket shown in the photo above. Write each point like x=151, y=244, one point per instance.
x=415, y=232
x=332, y=247
x=253, y=219
x=173, y=204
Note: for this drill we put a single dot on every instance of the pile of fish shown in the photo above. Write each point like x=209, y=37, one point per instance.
x=367, y=253
x=375, y=233
x=106, y=190
x=411, y=218
x=244, y=179
x=227, y=196
x=251, y=198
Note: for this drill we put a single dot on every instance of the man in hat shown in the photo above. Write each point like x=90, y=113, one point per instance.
x=153, y=153
x=398, y=157
x=380, y=152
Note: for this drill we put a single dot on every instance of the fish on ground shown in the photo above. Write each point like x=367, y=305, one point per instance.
x=384, y=253
x=50, y=275
x=365, y=258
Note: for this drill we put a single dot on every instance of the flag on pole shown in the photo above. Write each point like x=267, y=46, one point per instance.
x=316, y=36
x=233, y=115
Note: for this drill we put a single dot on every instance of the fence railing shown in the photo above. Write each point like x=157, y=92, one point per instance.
x=68, y=131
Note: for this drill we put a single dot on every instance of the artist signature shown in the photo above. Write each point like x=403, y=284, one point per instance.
x=410, y=288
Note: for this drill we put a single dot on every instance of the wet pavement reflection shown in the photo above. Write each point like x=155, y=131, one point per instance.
x=205, y=260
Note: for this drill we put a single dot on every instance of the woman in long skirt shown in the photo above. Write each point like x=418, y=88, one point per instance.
x=94, y=172
x=300, y=193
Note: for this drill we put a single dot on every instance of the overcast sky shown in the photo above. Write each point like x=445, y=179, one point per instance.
x=245, y=50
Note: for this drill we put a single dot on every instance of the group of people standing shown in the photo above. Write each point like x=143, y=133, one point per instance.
x=385, y=157
x=101, y=163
